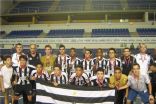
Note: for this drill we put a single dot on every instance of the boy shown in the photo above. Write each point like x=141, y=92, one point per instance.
x=6, y=74
x=79, y=78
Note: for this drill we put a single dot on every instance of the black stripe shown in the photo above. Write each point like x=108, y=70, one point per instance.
x=76, y=99
x=43, y=103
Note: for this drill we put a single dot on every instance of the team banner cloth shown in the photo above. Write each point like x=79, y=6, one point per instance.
x=68, y=94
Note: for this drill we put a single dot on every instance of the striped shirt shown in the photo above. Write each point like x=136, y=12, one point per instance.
x=22, y=76
x=73, y=64
x=43, y=76
x=94, y=82
x=79, y=81
x=63, y=79
x=110, y=66
x=64, y=62
x=88, y=67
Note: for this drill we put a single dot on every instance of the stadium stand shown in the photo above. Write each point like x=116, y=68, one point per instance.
x=106, y=4
x=24, y=34
x=146, y=32
x=31, y=7
x=110, y=33
x=68, y=33
x=71, y=5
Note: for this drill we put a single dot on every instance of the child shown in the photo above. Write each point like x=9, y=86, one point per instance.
x=79, y=78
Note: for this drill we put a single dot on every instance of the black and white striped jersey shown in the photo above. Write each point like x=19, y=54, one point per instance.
x=64, y=62
x=63, y=79
x=22, y=76
x=45, y=76
x=110, y=66
x=73, y=64
x=79, y=81
x=95, y=82
x=88, y=67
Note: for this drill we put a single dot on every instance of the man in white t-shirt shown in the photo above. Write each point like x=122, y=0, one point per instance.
x=6, y=74
x=143, y=59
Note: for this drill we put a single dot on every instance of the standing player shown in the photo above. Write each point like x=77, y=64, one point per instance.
x=143, y=59
x=6, y=74
x=112, y=62
x=79, y=78
x=74, y=61
x=63, y=59
x=48, y=59
x=33, y=55
x=99, y=61
x=21, y=80
x=87, y=63
x=127, y=61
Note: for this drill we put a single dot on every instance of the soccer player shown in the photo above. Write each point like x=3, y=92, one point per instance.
x=127, y=61
x=87, y=63
x=99, y=80
x=74, y=61
x=112, y=62
x=138, y=85
x=79, y=78
x=63, y=59
x=143, y=59
x=99, y=60
x=19, y=52
x=48, y=59
x=118, y=80
x=6, y=74
x=33, y=55
x=58, y=77
x=21, y=80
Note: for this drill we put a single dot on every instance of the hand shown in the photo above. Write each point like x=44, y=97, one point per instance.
x=55, y=84
x=14, y=82
x=151, y=97
x=33, y=78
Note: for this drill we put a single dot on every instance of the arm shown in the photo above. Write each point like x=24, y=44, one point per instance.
x=150, y=91
x=123, y=87
x=1, y=84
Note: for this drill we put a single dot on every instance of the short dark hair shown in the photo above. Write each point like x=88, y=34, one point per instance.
x=100, y=69
x=113, y=49
x=23, y=57
x=6, y=57
x=126, y=48
x=117, y=68
x=49, y=46
x=40, y=63
x=99, y=49
x=135, y=64
x=62, y=46
x=88, y=50
x=57, y=65
x=73, y=49
x=18, y=44
x=79, y=66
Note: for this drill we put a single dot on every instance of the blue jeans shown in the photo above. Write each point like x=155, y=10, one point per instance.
x=132, y=94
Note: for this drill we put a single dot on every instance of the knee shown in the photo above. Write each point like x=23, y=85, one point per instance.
x=128, y=102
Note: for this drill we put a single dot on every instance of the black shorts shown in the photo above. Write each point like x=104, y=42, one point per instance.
x=20, y=89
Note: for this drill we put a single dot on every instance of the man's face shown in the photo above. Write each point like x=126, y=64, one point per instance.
x=99, y=53
x=112, y=54
x=57, y=71
x=117, y=74
x=39, y=68
x=23, y=62
x=33, y=48
x=79, y=72
x=72, y=53
x=136, y=70
x=126, y=52
x=62, y=50
x=88, y=54
x=8, y=61
x=19, y=48
x=143, y=48
x=48, y=50
x=100, y=75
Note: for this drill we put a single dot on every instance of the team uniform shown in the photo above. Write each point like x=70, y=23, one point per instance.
x=64, y=62
x=79, y=81
x=144, y=61
x=33, y=60
x=22, y=78
x=99, y=63
x=95, y=82
x=127, y=64
x=88, y=67
x=110, y=66
x=73, y=64
x=63, y=79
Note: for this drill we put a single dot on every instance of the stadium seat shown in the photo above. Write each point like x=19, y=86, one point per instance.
x=146, y=32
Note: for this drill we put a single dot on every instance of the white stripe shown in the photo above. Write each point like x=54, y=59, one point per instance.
x=77, y=93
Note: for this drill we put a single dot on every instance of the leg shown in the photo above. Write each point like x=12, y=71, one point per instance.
x=6, y=96
x=16, y=99
x=144, y=96
x=131, y=96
